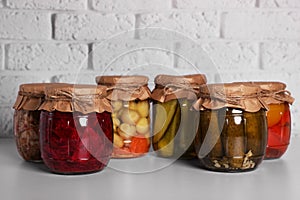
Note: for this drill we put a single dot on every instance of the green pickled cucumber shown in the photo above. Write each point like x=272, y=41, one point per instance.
x=210, y=140
x=161, y=122
x=188, y=128
x=234, y=140
x=166, y=143
x=256, y=132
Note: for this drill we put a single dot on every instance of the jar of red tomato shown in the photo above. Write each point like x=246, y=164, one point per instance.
x=130, y=99
x=278, y=117
x=76, y=129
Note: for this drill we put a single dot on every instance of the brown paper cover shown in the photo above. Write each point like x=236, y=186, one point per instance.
x=168, y=87
x=31, y=95
x=125, y=88
x=76, y=98
x=274, y=92
x=233, y=95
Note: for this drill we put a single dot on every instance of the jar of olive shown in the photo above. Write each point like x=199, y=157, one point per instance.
x=174, y=122
x=232, y=134
x=130, y=99
x=278, y=117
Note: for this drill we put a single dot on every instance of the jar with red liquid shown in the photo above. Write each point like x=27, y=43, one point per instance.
x=130, y=99
x=76, y=129
x=278, y=117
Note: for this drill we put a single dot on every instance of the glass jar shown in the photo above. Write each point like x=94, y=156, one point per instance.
x=278, y=117
x=174, y=122
x=232, y=134
x=76, y=129
x=129, y=97
x=26, y=120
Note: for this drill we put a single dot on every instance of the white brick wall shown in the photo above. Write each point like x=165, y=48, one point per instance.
x=91, y=26
x=38, y=57
x=280, y=3
x=49, y=40
x=48, y=4
x=262, y=25
x=25, y=25
x=131, y=5
x=214, y=4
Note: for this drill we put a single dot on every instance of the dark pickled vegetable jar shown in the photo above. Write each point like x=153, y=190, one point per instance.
x=232, y=134
x=174, y=122
x=278, y=117
x=76, y=129
x=26, y=120
x=129, y=97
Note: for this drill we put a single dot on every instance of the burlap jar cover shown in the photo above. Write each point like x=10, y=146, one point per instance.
x=168, y=87
x=125, y=88
x=233, y=95
x=79, y=98
x=274, y=92
x=31, y=95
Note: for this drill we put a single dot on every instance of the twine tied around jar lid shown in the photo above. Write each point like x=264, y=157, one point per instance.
x=125, y=88
x=168, y=87
x=31, y=95
x=234, y=95
x=80, y=98
x=274, y=92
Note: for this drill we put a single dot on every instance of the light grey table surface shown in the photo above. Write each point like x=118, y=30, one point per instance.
x=273, y=179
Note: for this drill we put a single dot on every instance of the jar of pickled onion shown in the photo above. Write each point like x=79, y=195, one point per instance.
x=76, y=129
x=130, y=99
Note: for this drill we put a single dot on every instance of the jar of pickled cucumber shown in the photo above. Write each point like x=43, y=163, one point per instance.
x=174, y=121
x=76, y=130
x=27, y=118
x=278, y=117
x=232, y=134
x=130, y=99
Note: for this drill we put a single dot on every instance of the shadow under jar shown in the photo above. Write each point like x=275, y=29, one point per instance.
x=76, y=129
x=232, y=134
x=174, y=122
x=278, y=117
x=130, y=99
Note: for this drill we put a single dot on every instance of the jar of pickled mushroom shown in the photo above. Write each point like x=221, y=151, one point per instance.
x=26, y=120
x=76, y=131
x=174, y=121
x=130, y=99
x=232, y=134
x=278, y=117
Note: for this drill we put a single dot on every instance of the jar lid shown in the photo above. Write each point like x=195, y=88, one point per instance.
x=243, y=96
x=274, y=92
x=122, y=80
x=76, y=97
x=125, y=88
x=192, y=79
x=170, y=87
x=31, y=95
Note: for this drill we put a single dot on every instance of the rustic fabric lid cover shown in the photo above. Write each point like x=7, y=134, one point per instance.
x=169, y=87
x=80, y=98
x=234, y=95
x=125, y=88
x=31, y=96
x=274, y=92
